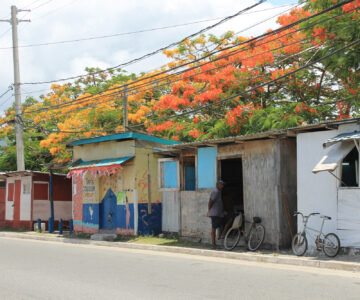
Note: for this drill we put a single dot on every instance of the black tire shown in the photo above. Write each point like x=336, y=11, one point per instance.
x=299, y=244
x=256, y=237
x=331, y=245
x=232, y=238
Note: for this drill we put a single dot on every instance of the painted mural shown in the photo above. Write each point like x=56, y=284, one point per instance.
x=127, y=201
x=105, y=205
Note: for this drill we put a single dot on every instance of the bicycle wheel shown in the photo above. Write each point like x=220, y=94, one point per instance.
x=232, y=238
x=331, y=245
x=299, y=244
x=256, y=237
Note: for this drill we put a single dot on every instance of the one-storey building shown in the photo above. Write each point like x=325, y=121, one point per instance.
x=328, y=177
x=114, y=180
x=25, y=198
x=260, y=178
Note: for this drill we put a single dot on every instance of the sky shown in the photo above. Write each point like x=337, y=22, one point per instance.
x=61, y=20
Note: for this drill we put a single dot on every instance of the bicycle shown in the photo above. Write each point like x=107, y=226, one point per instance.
x=254, y=237
x=329, y=244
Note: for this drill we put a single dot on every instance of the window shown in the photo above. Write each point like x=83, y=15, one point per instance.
x=2, y=183
x=350, y=169
x=26, y=188
x=168, y=174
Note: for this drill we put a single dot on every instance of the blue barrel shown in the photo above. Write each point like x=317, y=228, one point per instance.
x=39, y=224
x=60, y=226
x=71, y=225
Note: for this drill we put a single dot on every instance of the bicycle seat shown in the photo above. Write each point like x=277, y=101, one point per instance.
x=257, y=219
x=326, y=217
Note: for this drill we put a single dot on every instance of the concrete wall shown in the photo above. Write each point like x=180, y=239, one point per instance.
x=62, y=210
x=321, y=192
x=194, y=222
x=111, y=149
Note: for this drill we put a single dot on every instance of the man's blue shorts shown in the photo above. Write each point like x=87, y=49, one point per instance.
x=217, y=222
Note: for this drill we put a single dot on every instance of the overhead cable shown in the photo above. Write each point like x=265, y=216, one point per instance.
x=156, y=51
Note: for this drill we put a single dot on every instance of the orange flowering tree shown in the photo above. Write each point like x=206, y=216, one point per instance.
x=323, y=91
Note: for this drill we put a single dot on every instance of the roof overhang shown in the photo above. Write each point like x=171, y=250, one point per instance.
x=99, y=167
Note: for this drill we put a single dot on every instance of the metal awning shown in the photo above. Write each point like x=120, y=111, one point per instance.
x=348, y=136
x=341, y=145
x=97, y=167
x=336, y=154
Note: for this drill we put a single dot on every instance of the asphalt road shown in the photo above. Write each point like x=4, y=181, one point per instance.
x=49, y=270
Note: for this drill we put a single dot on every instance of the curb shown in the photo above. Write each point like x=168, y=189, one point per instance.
x=245, y=256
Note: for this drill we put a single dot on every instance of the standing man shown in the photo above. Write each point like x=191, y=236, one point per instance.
x=216, y=210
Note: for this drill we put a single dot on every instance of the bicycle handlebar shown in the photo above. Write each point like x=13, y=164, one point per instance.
x=300, y=213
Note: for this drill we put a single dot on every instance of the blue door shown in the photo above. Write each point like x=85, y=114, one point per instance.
x=189, y=178
x=108, y=211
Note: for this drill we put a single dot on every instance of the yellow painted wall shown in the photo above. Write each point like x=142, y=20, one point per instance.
x=146, y=163
x=103, y=150
x=90, y=189
x=124, y=180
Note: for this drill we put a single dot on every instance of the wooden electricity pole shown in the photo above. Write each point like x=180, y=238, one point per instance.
x=20, y=161
x=125, y=109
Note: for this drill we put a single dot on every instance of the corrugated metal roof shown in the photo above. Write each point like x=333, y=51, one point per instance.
x=124, y=136
x=347, y=136
x=26, y=172
x=325, y=124
x=99, y=163
x=267, y=134
x=231, y=139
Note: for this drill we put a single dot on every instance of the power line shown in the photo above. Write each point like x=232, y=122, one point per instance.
x=243, y=30
x=132, y=32
x=158, y=50
x=221, y=57
x=222, y=66
x=8, y=90
x=55, y=10
x=254, y=88
x=233, y=96
x=32, y=3
x=42, y=4
x=3, y=103
x=112, y=35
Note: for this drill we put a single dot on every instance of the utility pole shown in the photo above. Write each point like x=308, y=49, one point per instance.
x=18, y=109
x=125, y=108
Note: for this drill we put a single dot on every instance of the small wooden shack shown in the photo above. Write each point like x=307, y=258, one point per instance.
x=114, y=180
x=260, y=178
x=25, y=198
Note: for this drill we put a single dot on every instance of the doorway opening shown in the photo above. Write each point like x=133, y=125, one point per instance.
x=189, y=173
x=232, y=175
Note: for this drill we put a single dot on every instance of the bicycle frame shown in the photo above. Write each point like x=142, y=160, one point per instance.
x=242, y=228
x=307, y=230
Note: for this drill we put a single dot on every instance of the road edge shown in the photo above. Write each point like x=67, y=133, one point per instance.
x=245, y=256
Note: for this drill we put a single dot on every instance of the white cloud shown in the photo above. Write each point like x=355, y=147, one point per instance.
x=73, y=19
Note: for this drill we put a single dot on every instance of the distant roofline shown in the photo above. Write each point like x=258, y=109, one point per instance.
x=123, y=136
x=27, y=172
